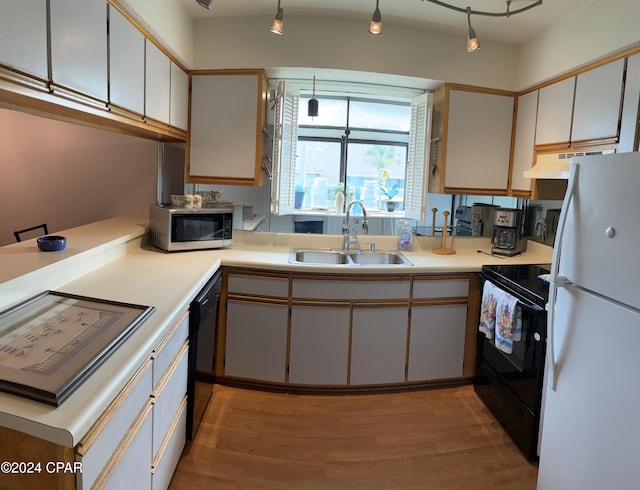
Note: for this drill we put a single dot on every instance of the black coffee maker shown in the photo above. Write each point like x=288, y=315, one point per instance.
x=507, y=232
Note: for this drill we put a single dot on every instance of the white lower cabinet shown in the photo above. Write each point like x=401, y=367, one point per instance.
x=142, y=433
x=319, y=347
x=436, y=342
x=343, y=330
x=135, y=456
x=168, y=455
x=103, y=440
x=256, y=340
x=168, y=396
x=378, y=345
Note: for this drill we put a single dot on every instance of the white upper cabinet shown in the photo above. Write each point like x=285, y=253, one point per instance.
x=596, y=111
x=629, y=123
x=227, y=118
x=179, y=105
x=555, y=108
x=79, y=46
x=126, y=63
x=23, y=36
x=476, y=142
x=523, y=151
x=157, y=83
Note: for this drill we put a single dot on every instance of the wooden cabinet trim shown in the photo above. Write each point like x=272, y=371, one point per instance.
x=19, y=446
x=439, y=301
x=249, y=298
x=310, y=276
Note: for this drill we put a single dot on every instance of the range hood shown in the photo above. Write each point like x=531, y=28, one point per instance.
x=556, y=165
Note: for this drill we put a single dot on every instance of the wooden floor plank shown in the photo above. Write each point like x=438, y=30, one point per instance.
x=432, y=439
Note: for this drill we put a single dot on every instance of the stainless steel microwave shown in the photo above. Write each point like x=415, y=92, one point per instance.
x=177, y=229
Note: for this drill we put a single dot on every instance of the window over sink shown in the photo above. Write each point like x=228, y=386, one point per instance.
x=368, y=146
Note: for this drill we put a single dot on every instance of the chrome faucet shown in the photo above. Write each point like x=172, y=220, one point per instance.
x=351, y=235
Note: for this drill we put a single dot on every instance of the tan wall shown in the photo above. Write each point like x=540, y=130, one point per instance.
x=68, y=175
x=168, y=22
x=323, y=42
x=597, y=29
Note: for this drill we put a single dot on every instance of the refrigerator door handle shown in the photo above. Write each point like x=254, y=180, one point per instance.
x=555, y=280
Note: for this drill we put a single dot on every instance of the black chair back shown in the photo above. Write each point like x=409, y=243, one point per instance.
x=20, y=232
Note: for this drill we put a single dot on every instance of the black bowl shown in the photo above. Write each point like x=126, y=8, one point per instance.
x=51, y=243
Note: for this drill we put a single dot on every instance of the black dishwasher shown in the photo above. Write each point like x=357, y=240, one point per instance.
x=203, y=317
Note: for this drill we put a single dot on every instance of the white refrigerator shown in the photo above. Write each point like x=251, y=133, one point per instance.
x=591, y=413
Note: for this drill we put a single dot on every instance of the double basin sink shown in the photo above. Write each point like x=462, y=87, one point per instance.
x=346, y=257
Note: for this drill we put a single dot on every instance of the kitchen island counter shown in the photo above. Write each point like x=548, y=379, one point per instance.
x=112, y=260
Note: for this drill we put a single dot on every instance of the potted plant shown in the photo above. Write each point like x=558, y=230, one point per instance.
x=390, y=193
x=299, y=195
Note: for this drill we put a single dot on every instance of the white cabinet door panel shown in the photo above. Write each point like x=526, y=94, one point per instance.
x=597, y=106
x=134, y=467
x=555, y=110
x=113, y=427
x=224, y=126
x=168, y=348
x=440, y=288
x=478, y=140
x=319, y=345
x=378, y=345
x=126, y=63
x=629, y=126
x=23, y=36
x=79, y=46
x=523, y=151
x=258, y=285
x=157, y=83
x=167, y=459
x=168, y=399
x=436, y=346
x=256, y=345
x=340, y=290
x=179, y=109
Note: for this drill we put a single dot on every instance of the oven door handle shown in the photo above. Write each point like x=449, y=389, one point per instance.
x=521, y=301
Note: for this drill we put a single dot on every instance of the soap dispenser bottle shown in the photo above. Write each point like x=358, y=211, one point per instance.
x=405, y=236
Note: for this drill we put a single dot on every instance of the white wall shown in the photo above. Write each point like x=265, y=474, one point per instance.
x=597, y=29
x=323, y=42
x=68, y=175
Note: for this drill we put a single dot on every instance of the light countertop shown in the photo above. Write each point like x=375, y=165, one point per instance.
x=111, y=260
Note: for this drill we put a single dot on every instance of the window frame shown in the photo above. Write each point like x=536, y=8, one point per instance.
x=417, y=150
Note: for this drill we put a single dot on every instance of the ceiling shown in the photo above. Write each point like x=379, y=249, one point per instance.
x=415, y=13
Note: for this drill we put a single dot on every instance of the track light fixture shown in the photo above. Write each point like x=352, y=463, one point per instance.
x=312, y=108
x=205, y=3
x=473, y=44
x=375, y=26
x=276, y=26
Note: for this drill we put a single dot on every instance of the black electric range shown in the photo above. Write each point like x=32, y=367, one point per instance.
x=511, y=384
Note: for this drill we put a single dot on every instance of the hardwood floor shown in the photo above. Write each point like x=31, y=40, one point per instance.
x=434, y=439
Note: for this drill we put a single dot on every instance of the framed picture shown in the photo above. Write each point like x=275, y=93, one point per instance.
x=51, y=343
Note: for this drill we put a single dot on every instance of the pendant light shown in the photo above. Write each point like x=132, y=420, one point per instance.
x=312, y=107
x=276, y=26
x=375, y=26
x=473, y=44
